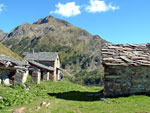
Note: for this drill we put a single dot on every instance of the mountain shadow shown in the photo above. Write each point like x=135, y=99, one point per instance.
x=79, y=96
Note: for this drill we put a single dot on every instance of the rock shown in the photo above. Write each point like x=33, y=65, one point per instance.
x=103, y=99
x=38, y=108
x=26, y=87
x=48, y=104
x=1, y=97
x=19, y=110
x=43, y=104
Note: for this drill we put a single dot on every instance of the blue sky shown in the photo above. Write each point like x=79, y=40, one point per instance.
x=117, y=21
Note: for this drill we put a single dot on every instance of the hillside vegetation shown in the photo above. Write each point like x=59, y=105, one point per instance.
x=8, y=52
x=80, y=52
x=66, y=97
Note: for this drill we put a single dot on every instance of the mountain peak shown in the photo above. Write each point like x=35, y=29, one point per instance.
x=52, y=21
x=44, y=20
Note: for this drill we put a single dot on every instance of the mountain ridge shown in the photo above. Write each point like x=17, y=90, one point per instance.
x=78, y=49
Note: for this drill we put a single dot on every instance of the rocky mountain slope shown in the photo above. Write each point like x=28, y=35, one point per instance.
x=2, y=35
x=79, y=50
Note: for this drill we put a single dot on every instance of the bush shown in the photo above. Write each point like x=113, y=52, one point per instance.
x=16, y=96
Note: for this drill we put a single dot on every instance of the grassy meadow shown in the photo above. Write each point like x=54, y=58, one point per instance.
x=66, y=97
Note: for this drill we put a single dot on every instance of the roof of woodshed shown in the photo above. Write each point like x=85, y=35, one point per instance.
x=11, y=61
x=126, y=54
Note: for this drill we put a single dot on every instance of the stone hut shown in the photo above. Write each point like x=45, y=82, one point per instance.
x=47, y=62
x=126, y=68
x=47, y=71
x=12, y=71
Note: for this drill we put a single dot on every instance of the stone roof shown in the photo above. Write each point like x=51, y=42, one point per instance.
x=41, y=66
x=126, y=54
x=41, y=56
x=5, y=60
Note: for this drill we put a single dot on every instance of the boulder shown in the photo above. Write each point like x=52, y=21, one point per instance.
x=19, y=110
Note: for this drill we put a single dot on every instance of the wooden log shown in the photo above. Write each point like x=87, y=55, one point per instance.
x=112, y=76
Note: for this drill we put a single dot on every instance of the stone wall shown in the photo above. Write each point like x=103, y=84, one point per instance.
x=25, y=76
x=126, y=80
x=51, y=75
x=36, y=77
x=45, y=76
x=20, y=77
x=56, y=70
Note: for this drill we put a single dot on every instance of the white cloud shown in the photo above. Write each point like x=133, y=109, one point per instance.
x=100, y=6
x=2, y=6
x=69, y=9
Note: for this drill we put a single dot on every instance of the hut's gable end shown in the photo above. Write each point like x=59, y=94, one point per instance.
x=57, y=67
x=125, y=80
x=127, y=69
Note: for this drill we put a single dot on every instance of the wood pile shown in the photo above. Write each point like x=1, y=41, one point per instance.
x=126, y=54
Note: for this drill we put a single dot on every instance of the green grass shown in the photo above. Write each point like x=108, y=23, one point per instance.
x=66, y=97
x=5, y=51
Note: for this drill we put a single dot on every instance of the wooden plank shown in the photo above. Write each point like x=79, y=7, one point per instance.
x=127, y=49
x=114, y=47
x=116, y=64
x=112, y=76
x=138, y=58
x=125, y=59
x=109, y=53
